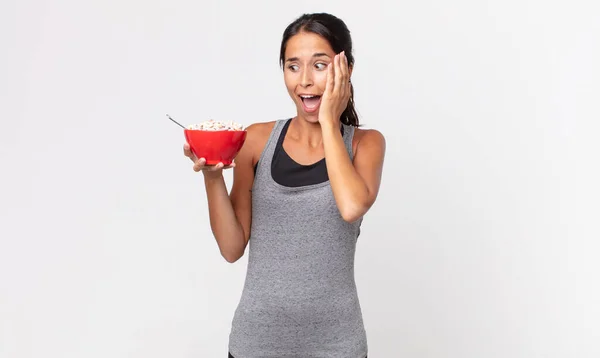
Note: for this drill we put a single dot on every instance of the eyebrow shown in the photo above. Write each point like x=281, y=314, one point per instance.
x=318, y=54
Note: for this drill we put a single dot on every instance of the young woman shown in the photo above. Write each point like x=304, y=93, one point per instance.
x=301, y=187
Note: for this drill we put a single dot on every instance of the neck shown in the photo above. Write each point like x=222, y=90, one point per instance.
x=306, y=132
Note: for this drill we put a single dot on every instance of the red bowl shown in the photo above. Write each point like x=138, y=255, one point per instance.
x=215, y=146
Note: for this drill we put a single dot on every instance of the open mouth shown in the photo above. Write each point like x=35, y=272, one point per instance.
x=311, y=102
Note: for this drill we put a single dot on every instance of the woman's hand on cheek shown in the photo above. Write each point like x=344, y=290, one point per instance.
x=337, y=91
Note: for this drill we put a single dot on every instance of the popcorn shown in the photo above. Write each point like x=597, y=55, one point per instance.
x=212, y=125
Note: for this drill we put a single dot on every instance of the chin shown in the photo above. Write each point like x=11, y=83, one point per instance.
x=309, y=117
x=312, y=118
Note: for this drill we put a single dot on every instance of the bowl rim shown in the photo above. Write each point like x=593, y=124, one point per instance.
x=214, y=130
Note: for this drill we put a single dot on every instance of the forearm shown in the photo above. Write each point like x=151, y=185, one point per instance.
x=349, y=189
x=225, y=226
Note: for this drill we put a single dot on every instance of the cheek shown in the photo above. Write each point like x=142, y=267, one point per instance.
x=289, y=83
x=320, y=78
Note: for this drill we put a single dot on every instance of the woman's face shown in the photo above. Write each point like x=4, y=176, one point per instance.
x=305, y=72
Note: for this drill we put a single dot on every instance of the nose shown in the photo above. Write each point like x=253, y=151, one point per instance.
x=306, y=79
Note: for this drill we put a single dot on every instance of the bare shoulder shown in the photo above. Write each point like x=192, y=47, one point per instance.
x=257, y=137
x=368, y=160
x=370, y=140
x=259, y=130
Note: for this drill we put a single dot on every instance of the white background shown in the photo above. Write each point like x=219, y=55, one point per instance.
x=482, y=244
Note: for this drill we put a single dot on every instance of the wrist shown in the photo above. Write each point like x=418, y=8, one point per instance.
x=327, y=123
x=212, y=176
x=330, y=126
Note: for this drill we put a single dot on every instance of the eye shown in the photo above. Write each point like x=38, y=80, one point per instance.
x=321, y=66
x=293, y=67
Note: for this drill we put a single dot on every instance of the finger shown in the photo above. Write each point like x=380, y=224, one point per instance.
x=199, y=164
x=341, y=78
x=347, y=84
x=337, y=75
x=186, y=150
x=345, y=72
x=347, y=76
x=217, y=167
x=330, y=78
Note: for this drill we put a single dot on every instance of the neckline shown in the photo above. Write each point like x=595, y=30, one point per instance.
x=279, y=142
x=281, y=139
x=279, y=145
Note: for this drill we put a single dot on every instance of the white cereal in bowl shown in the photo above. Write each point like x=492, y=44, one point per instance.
x=212, y=125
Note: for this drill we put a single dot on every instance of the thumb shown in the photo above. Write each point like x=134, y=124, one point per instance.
x=187, y=151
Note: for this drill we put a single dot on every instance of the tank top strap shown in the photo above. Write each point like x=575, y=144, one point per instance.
x=266, y=157
x=348, y=136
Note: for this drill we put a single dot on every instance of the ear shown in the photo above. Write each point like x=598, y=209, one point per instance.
x=350, y=68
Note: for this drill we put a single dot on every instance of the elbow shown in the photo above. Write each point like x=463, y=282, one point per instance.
x=355, y=210
x=356, y=206
x=354, y=213
x=234, y=253
x=231, y=257
x=232, y=248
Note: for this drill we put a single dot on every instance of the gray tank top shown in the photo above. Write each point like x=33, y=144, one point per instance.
x=299, y=298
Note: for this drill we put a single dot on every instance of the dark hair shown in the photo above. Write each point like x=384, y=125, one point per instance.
x=335, y=31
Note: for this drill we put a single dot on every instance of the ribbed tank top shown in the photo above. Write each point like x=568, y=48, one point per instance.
x=299, y=298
